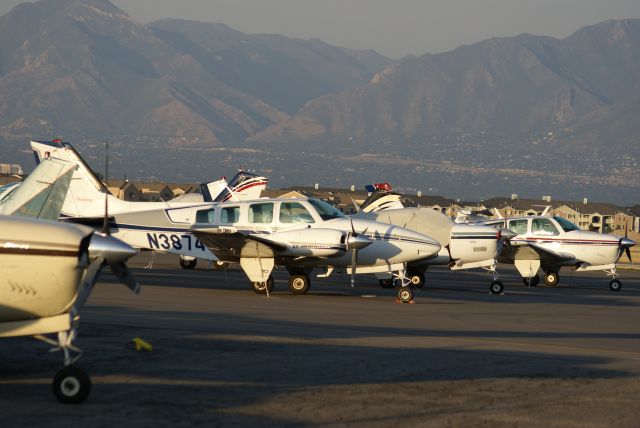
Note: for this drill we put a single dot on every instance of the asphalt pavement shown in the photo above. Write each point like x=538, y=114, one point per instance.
x=222, y=355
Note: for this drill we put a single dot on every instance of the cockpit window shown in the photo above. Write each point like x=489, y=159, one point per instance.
x=543, y=226
x=261, y=213
x=294, y=212
x=518, y=226
x=325, y=211
x=565, y=224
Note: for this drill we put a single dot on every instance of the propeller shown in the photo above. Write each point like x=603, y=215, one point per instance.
x=354, y=243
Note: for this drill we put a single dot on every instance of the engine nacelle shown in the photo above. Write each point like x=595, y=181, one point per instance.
x=312, y=242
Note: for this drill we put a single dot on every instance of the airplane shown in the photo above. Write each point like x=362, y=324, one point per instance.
x=49, y=270
x=305, y=233
x=156, y=226
x=463, y=246
x=549, y=243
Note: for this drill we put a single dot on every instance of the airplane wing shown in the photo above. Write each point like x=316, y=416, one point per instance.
x=228, y=244
x=550, y=257
x=42, y=194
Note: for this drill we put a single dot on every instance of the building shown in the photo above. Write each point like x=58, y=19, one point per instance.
x=125, y=190
x=154, y=191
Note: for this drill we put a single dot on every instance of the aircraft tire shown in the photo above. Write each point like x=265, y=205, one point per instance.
x=299, y=284
x=386, y=283
x=71, y=385
x=261, y=287
x=417, y=279
x=496, y=287
x=531, y=282
x=551, y=278
x=615, y=285
x=220, y=265
x=188, y=264
x=405, y=294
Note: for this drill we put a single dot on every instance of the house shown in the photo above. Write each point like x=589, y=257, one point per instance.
x=125, y=190
x=154, y=191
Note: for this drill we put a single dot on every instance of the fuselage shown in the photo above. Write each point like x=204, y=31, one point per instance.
x=561, y=236
x=315, y=234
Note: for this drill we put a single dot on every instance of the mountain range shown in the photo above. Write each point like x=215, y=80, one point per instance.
x=87, y=66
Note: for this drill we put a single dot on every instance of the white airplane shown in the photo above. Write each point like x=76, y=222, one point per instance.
x=49, y=270
x=463, y=246
x=305, y=233
x=157, y=226
x=553, y=242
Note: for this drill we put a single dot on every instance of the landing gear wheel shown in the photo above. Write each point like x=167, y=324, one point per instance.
x=496, y=287
x=417, y=279
x=299, y=284
x=531, y=282
x=551, y=278
x=386, y=283
x=220, y=265
x=188, y=264
x=615, y=285
x=261, y=287
x=71, y=385
x=405, y=294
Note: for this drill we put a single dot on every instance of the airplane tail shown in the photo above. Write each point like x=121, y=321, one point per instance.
x=242, y=187
x=86, y=191
x=42, y=194
x=381, y=197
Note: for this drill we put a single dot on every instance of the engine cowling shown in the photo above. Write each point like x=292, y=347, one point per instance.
x=312, y=242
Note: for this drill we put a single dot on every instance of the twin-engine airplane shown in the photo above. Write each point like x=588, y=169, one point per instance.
x=49, y=269
x=157, y=226
x=306, y=233
x=463, y=246
x=553, y=242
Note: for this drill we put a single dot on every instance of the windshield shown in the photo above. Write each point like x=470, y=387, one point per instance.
x=325, y=211
x=565, y=224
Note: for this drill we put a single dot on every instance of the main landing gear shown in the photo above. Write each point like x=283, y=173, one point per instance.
x=551, y=278
x=531, y=282
x=188, y=263
x=263, y=287
x=71, y=385
x=299, y=284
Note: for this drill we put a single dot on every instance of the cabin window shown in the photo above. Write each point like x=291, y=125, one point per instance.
x=518, y=226
x=294, y=212
x=543, y=226
x=205, y=216
x=261, y=213
x=229, y=215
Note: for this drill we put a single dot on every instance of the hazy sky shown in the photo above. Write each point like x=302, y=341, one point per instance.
x=392, y=27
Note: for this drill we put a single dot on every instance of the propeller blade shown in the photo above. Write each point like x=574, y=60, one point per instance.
x=628, y=251
x=88, y=280
x=124, y=274
x=354, y=263
x=353, y=229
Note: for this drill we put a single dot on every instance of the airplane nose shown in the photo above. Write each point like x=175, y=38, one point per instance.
x=111, y=249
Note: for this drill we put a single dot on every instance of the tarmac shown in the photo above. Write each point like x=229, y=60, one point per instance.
x=222, y=355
